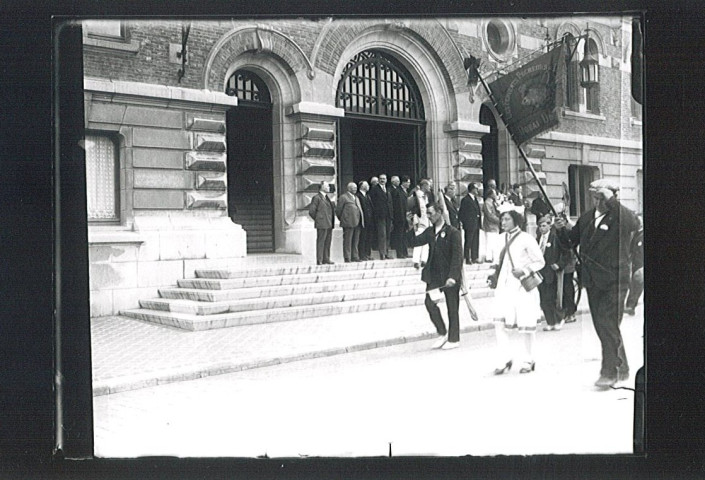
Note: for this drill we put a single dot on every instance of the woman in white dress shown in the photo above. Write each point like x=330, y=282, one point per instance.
x=515, y=308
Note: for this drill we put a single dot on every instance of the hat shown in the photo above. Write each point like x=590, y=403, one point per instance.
x=604, y=183
x=509, y=206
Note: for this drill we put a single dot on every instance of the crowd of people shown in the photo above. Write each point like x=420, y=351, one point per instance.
x=533, y=276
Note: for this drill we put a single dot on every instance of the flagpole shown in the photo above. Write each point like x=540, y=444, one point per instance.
x=521, y=150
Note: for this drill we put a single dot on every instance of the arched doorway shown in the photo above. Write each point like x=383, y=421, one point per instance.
x=490, y=148
x=384, y=128
x=250, y=164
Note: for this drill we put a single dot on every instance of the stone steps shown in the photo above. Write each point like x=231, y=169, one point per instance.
x=226, y=294
x=274, y=293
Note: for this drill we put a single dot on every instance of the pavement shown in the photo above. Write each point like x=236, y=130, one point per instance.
x=129, y=354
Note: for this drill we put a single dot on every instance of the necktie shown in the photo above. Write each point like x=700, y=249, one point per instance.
x=543, y=243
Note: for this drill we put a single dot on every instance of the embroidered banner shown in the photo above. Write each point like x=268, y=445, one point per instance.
x=527, y=97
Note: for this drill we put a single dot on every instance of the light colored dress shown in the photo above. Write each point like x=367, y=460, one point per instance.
x=513, y=305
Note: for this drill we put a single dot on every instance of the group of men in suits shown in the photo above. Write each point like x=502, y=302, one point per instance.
x=371, y=218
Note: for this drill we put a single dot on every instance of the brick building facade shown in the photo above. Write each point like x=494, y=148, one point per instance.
x=192, y=169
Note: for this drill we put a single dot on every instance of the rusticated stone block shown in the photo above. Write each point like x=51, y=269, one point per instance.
x=322, y=134
x=157, y=158
x=472, y=160
x=316, y=166
x=204, y=161
x=170, y=179
x=306, y=183
x=312, y=148
x=211, y=182
x=158, y=199
x=153, y=137
x=153, y=117
x=209, y=143
x=206, y=125
x=199, y=201
x=106, y=113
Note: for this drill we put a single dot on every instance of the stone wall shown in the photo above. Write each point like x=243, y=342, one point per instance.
x=173, y=191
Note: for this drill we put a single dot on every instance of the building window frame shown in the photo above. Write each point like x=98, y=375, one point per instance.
x=102, y=42
x=93, y=179
x=91, y=30
x=579, y=179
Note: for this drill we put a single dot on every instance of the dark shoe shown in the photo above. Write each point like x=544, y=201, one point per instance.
x=423, y=264
x=605, y=382
x=504, y=369
x=629, y=311
x=356, y=260
x=570, y=319
x=329, y=263
x=417, y=266
x=347, y=261
x=528, y=367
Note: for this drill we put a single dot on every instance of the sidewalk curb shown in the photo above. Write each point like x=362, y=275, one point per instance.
x=153, y=379
x=135, y=382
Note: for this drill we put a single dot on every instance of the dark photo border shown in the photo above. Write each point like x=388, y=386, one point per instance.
x=43, y=195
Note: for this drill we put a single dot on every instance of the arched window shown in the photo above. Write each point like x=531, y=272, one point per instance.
x=248, y=88
x=374, y=83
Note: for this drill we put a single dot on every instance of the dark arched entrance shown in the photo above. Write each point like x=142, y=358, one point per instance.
x=250, y=164
x=490, y=148
x=384, y=129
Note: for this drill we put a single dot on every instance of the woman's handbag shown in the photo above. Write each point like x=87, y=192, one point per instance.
x=529, y=282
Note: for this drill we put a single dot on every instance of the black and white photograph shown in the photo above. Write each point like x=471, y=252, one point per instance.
x=379, y=236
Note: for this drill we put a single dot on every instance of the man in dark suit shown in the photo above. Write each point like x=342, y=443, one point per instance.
x=399, y=227
x=442, y=270
x=470, y=216
x=451, y=205
x=367, y=233
x=321, y=211
x=349, y=212
x=382, y=206
x=604, y=234
x=554, y=258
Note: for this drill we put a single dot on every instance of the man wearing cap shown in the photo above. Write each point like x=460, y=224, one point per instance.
x=604, y=234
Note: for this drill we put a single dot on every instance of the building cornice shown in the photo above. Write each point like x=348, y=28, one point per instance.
x=163, y=95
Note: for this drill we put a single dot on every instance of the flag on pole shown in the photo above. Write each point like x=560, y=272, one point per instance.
x=527, y=98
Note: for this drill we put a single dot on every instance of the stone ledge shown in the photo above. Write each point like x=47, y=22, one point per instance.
x=107, y=237
x=124, y=90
